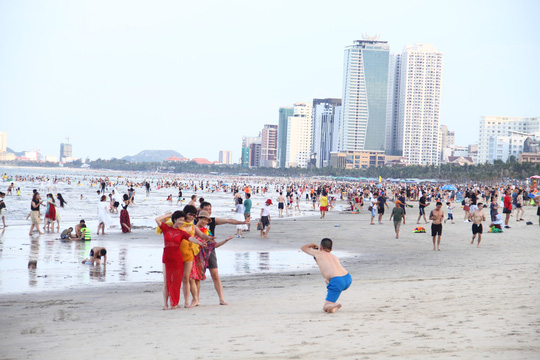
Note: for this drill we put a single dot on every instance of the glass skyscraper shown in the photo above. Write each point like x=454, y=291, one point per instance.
x=284, y=114
x=365, y=85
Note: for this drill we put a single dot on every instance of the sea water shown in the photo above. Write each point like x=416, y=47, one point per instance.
x=132, y=257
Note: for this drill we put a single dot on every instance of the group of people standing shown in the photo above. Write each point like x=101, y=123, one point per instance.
x=189, y=250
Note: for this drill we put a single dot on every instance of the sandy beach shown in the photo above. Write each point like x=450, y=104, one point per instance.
x=406, y=301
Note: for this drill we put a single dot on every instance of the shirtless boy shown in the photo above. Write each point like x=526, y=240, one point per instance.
x=477, y=217
x=337, y=278
x=437, y=216
x=95, y=256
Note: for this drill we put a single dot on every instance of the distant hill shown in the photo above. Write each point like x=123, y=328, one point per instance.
x=152, y=156
x=20, y=153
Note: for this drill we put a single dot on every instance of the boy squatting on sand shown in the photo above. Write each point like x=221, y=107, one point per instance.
x=337, y=278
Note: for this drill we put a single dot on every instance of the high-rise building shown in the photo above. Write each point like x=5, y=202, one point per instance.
x=325, y=130
x=299, y=136
x=284, y=114
x=365, y=85
x=501, y=137
x=65, y=152
x=225, y=157
x=3, y=142
x=447, y=142
x=269, y=146
x=414, y=109
x=249, y=159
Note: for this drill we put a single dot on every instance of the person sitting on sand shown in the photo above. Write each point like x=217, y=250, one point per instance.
x=94, y=258
x=337, y=278
x=66, y=234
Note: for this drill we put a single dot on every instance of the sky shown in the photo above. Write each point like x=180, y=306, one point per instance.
x=119, y=77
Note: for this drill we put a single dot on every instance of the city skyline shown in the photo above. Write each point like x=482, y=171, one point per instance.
x=127, y=79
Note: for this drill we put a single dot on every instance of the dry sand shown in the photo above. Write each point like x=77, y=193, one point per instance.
x=406, y=301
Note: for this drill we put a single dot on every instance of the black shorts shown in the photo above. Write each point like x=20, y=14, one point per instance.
x=538, y=211
x=116, y=203
x=436, y=229
x=265, y=220
x=381, y=210
x=477, y=229
x=212, y=260
x=280, y=206
x=422, y=211
x=507, y=211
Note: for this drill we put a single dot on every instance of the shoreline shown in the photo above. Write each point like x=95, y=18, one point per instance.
x=405, y=301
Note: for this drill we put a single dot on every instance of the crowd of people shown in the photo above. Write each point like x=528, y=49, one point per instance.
x=190, y=234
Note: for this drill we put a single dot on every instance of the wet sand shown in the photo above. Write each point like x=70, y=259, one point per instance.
x=406, y=301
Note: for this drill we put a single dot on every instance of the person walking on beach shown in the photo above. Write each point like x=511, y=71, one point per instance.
x=381, y=201
x=437, y=217
x=173, y=262
x=2, y=207
x=50, y=213
x=247, y=209
x=34, y=213
x=265, y=219
x=337, y=278
x=323, y=204
x=450, y=209
x=397, y=213
x=281, y=204
x=212, y=259
x=507, y=209
x=422, y=204
x=125, y=221
x=477, y=217
x=240, y=217
x=103, y=214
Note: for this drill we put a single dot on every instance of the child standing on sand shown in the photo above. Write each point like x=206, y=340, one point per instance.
x=337, y=278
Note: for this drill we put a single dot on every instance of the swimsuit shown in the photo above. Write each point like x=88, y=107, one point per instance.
x=336, y=285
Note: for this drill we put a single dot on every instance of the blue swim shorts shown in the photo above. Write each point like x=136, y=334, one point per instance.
x=336, y=286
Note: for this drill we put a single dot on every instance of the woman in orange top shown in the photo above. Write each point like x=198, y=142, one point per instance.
x=187, y=248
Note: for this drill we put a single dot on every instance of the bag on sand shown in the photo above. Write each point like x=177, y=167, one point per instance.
x=370, y=208
x=260, y=226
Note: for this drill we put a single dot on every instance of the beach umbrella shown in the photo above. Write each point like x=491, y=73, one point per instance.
x=535, y=177
x=449, y=187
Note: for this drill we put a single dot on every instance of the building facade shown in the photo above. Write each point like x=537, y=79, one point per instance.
x=501, y=137
x=284, y=114
x=299, y=136
x=325, y=130
x=248, y=159
x=357, y=159
x=414, y=115
x=269, y=146
x=225, y=157
x=365, y=85
x=65, y=152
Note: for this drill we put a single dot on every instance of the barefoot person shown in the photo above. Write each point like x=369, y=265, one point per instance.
x=477, y=217
x=173, y=264
x=212, y=260
x=337, y=278
x=34, y=213
x=200, y=261
x=397, y=213
x=94, y=258
x=437, y=216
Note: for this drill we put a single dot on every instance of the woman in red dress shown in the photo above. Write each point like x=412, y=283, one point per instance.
x=173, y=265
x=125, y=222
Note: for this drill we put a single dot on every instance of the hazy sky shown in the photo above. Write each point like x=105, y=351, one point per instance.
x=118, y=77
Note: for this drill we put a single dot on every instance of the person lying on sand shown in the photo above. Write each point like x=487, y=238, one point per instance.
x=337, y=278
